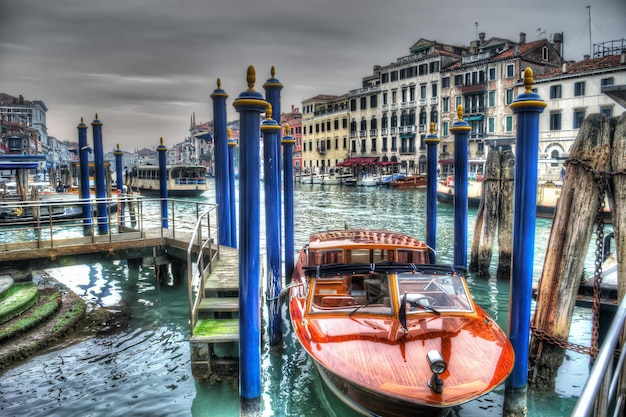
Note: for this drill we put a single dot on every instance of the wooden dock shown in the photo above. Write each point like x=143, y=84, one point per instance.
x=215, y=336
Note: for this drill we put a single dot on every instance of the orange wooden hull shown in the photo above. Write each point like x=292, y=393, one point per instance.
x=379, y=361
x=409, y=182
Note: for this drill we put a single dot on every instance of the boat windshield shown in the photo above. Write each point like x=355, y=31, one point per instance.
x=365, y=294
x=434, y=292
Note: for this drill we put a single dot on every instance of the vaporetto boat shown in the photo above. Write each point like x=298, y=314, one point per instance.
x=182, y=180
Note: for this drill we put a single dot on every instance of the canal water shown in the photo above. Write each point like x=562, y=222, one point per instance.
x=136, y=361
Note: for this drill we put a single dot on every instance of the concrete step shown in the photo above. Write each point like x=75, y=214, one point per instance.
x=216, y=331
x=218, y=305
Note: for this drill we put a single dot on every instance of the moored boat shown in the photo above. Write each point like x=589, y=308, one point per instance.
x=368, y=180
x=390, y=333
x=410, y=181
x=182, y=180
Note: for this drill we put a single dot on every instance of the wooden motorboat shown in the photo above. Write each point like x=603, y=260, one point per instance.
x=410, y=181
x=390, y=333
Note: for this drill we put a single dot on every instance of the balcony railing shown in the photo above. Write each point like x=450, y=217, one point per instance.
x=362, y=133
x=394, y=106
x=383, y=131
x=384, y=107
x=412, y=104
x=433, y=100
x=372, y=132
x=394, y=130
x=404, y=105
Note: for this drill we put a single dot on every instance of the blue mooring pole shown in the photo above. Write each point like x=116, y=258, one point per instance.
x=527, y=106
x=232, y=144
x=288, y=142
x=250, y=105
x=432, y=142
x=220, y=140
x=271, y=131
x=461, y=130
x=162, y=149
x=272, y=187
x=120, y=182
x=102, y=211
x=83, y=160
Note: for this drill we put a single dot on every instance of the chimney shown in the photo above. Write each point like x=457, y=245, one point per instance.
x=473, y=47
x=622, y=58
x=558, y=42
x=481, y=37
x=522, y=38
x=586, y=57
x=564, y=67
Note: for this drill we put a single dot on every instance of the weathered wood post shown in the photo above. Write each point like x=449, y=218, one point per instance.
x=102, y=207
x=220, y=150
x=487, y=217
x=288, y=142
x=570, y=235
x=460, y=129
x=162, y=149
x=121, y=194
x=505, y=214
x=271, y=130
x=527, y=106
x=83, y=151
x=249, y=105
x=432, y=142
x=232, y=144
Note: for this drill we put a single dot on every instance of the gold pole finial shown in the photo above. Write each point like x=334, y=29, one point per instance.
x=273, y=71
x=528, y=80
x=219, y=83
x=287, y=129
x=459, y=112
x=161, y=140
x=268, y=112
x=251, y=78
x=229, y=132
x=96, y=115
x=432, y=128
x=82, y=120
x=118, y=146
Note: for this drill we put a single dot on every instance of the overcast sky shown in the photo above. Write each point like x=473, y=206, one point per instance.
x=144, y=66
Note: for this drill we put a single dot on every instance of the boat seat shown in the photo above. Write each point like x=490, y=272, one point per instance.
x=337, y=301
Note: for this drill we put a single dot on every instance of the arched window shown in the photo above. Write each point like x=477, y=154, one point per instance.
x=373, y=123
x=412, y=118
x=383, y=123
x=353, y=125
x=394, y=120
x=544, y=53
x=403, y=119
x=433, y=115
x=423, y=117
x=363, y=124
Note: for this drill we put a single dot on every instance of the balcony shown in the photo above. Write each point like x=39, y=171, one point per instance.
x=383, y=131
x=404, y=105
x=352, y=134
x=401, y=129
x=362, y=133
x=372, y=132
x=394, y=106
x=422, y=101
x=394, y=130
x=412, y=104
x=422, y=128
x=321, y=150
x=434, y=100
x=384, y=107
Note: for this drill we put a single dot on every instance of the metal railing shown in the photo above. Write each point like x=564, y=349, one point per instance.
x=600, y=395
x=206, y=240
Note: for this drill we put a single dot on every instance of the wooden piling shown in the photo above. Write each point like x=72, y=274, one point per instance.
x=617, y=199
x=571, y=232
x=505, y=214
x=485, y=229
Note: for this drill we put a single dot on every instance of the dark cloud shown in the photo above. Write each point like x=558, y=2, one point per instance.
x=146, y=65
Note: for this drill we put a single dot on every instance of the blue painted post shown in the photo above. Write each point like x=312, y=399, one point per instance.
x=83, y=160
x=232, y=144
x=527, y=106
x=271, y=130
x=288, y=142
x=102, y=211
x=222, y=190
x=432, y=142
x=162, y=149
x=250, y=105
x=119, y=168
x=460, y=129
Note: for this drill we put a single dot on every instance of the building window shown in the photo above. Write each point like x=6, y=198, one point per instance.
x=336, y=124
x=458, y=80
x=492, y=74
x=491, y=125
x=509, y=123
x=555, y=91
x=491, y=98
x=445, y=103
x=423, y=91
x=444, y=129
x=373, y=144
x=510, y=70
x=579, y=118
x=509, y=96
x=373, y=101
x=445, y=82
x=606, y=81
x=579, y=89
x=363, y=103
x=459, y=101
x=555, y=121
x=607, y=111
x=434, y=89
x=544, y=53
x=384, y=99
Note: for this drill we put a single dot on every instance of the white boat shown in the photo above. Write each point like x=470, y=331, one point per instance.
x=387, y=178
x=182, y=180
x=368, y=181
x=331, y=179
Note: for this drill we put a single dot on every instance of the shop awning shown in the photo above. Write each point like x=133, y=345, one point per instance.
x=350, y=162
